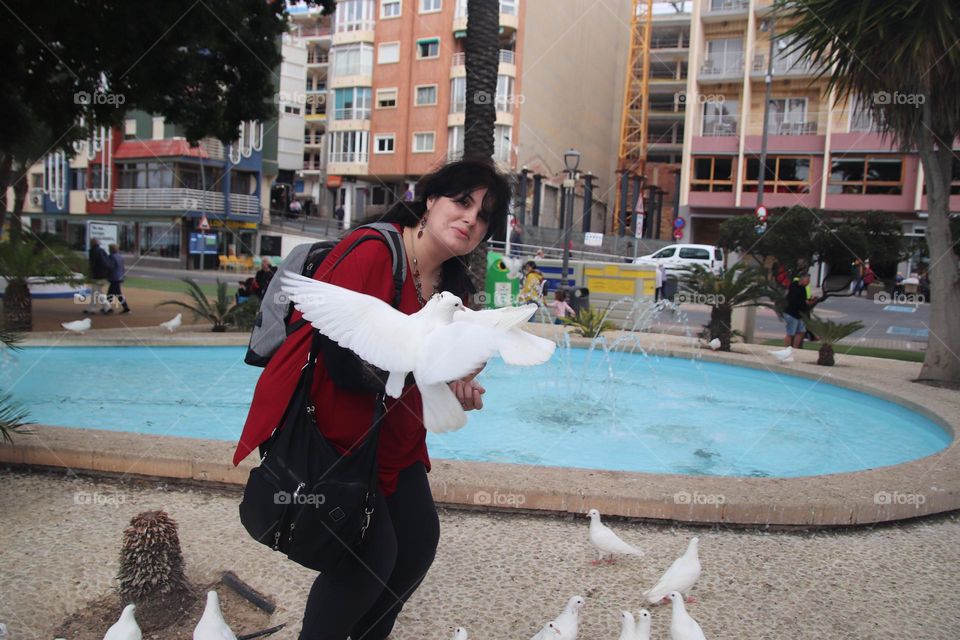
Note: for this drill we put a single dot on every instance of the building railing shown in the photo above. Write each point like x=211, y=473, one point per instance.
x=727, y=126
x=455, y=155
x=727, y=5
x=507, y=56
x=315, y=32
x=318, y=58
x=784, y=65
x=507, y=7
x=353, y=113
x=312, y=165
x=723, y=65
x=669, y=42
x=349, y=156
x=246, y=204
x=169, y=199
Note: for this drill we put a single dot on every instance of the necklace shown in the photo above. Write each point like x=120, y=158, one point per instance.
x=417, y=282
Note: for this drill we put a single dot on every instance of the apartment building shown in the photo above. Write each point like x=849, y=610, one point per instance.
x=170, y=204
x=394, y=77
x=823, y=152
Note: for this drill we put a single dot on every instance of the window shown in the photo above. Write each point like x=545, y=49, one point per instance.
x=665, y=253
x=712, y=173
x=428, y=48
x=160, y=239
x=388, y=53
x=426, y=95
x=352, y=103
x=383, y=143
x=430, y=6
x=508, y=7
x=348, y=146
x=866, y=175
x=291, y=109
x=454, y=143
x=353, y=59
x=458, y=95
x=862, y=120
x=129, y=129
x=504, y=99
x=784, y=174
x=390, y=8
x=501, y=143
x=381, y=196
x=724, y=57
x=423, y=142
x=78, y=179
x=386, y=98
x=354, y=15
x=720, y=118
x=788, y=117
x=694, y=253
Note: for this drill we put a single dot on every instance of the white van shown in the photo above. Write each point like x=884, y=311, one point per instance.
x=676, y=257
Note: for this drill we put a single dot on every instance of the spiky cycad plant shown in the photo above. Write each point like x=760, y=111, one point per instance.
x=219, y=312
x=738, y=286
x=590, y=323
x=30, y=257
x=13, y=417
x=151, y=568
x=829, y=333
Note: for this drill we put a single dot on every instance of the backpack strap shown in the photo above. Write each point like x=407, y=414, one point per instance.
x=390, y=237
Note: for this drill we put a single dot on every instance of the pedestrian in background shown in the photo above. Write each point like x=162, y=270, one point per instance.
x=99, y=263
x=116, y=276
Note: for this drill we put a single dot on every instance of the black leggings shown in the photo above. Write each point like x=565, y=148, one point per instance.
x=364, y=597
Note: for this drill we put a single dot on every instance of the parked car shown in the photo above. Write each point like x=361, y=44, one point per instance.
x=677, y=257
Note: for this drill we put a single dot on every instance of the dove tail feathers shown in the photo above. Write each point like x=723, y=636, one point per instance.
x=394, y=386
x=441, y=409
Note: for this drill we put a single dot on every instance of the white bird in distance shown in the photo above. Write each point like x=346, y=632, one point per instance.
x=440, y=343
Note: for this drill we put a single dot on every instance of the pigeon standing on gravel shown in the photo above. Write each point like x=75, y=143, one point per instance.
x=549, y=632
x=126, y=628
x=77, y=326
x=460, y=634
x=682, y=625
x=643, y=625
x=680, y=576
x=783, y=355
x=428, y=343
x=173, y=324
x=606, y=542
x=212, y=626
x=628, y=626
x=568, y=622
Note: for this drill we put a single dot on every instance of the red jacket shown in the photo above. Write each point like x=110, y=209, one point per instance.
x=343, y=416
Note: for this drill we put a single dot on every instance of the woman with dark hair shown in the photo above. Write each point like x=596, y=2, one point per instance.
x=454, y=209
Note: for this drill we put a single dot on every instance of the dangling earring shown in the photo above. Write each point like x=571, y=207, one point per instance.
x=423, y=225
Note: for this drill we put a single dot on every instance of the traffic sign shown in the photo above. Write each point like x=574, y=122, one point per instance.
x=678, y=234
x=203, y=224
x=761, y=213
x=679, y=223
x=638, y=232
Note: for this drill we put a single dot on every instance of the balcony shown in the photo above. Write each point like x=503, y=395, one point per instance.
x=716, y=127
x=508, y=15
x=318, y=58
x=168, y=200
x=792, y=65
x=722, y=10
x=312, y=165
x=507, y=56
x=315, y=32
x=352, y=113
x=244, y=204
x=351, y=157
x=673, y=41
x=722, y=68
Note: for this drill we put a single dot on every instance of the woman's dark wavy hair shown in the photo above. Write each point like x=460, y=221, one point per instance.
x=454, y=180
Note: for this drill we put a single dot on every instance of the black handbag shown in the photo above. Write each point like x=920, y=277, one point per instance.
x=307, y=500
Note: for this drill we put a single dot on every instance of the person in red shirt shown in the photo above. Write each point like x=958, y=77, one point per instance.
x=454, y=209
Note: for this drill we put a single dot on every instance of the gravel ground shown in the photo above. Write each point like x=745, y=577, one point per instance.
x=500, y=575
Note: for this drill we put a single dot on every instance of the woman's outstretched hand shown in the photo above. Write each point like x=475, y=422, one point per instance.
x=469, y=392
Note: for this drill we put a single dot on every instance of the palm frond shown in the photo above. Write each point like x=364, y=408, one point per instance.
x=830, y=332
x=13, y=418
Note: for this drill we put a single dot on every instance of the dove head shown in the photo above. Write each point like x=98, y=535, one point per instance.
x=446, y=304
x=676, y=599
x=128, y=612
x=593, y=514
x=460, y=634
x=213, y=598
x=575, y=603
x=643, y=615
x=551, y=630
x=694, y=544
x=627, y=618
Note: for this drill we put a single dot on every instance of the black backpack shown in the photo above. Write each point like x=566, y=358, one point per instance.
x=272, y=325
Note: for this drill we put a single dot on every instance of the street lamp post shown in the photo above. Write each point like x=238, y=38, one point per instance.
x=771, y=25
x=571, y=159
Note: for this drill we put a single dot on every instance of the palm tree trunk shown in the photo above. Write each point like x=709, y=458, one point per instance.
x=482, y=62
x=20, y=187
x=6, y=163
x=17, y=307
x=825, y=356
x=721, y=320
x=941, y=364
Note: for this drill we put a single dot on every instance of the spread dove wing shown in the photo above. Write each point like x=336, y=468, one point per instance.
x=428, y=343
x=517, y=346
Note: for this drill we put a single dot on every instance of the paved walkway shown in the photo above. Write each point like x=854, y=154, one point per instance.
x=500, y=575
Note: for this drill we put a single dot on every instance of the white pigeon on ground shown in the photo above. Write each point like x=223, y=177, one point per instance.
x=783, y=355
x=714, y=344
x=125, y=628
x=173, y=324
x=460, y=634
x=679, y=576
x=682, y=625
x=78, y=326
x=568, y=622
x=212, y=626
x=643, y=625
x=549, y=632
x=518, y=347
x=428, y=343
x=628, y=626
x=514, y=267
x=606, y=542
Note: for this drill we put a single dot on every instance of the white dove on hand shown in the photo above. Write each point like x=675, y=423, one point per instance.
x=428, y=343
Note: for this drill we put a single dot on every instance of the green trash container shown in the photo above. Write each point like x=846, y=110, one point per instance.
x=500, y=291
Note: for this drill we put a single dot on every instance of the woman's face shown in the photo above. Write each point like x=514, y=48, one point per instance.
x=460, y=223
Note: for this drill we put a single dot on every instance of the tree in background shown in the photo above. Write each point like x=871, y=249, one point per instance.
x=482, y=62
x=902, y=60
